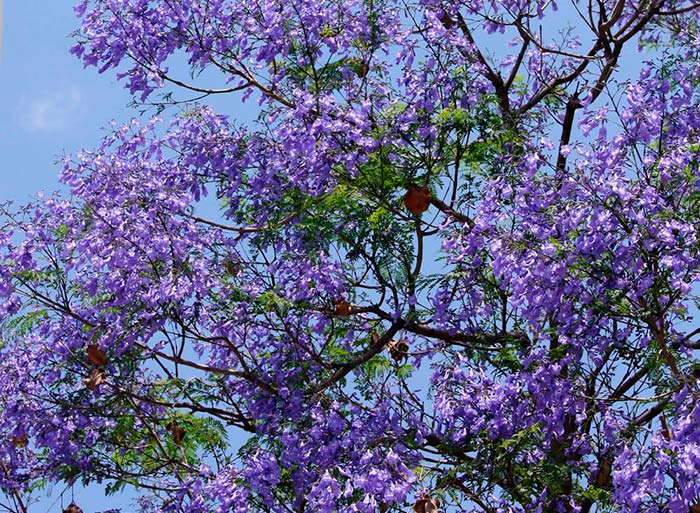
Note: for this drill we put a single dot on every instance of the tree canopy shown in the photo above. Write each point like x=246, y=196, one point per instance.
x=451, y=264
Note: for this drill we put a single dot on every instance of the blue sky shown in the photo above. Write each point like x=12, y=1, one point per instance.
x=51, y=105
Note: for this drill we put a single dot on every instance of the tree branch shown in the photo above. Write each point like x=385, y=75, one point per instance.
x=451, y=212
x=345, y=367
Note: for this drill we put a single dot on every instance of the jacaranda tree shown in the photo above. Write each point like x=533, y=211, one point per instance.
x=451, y=265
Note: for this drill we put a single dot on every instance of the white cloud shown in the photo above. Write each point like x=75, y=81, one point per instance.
x=50, y=111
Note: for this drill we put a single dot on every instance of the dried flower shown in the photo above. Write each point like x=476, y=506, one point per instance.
x=96, y=356
x=96, y=378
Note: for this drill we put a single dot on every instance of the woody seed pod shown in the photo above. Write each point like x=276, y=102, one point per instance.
x=426, y=505
x=398, y=349
x=417, y=199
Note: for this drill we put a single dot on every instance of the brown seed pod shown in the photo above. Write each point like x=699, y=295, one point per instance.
x=177, y=431
x=233, y=267
x=73, y=508
x=95, y=379
x=398, y=349
x=417, y=199
x=19, y=441
x=426, y=505
x=694, y=508
x=342, y=308
x=96, y=356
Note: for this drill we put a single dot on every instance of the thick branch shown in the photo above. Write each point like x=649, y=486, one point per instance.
x=649, y=415
x=247, y=375
x=345, y=367
x=571, y=107
x=493, y=76
x=478, y=341
x=447, y=209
